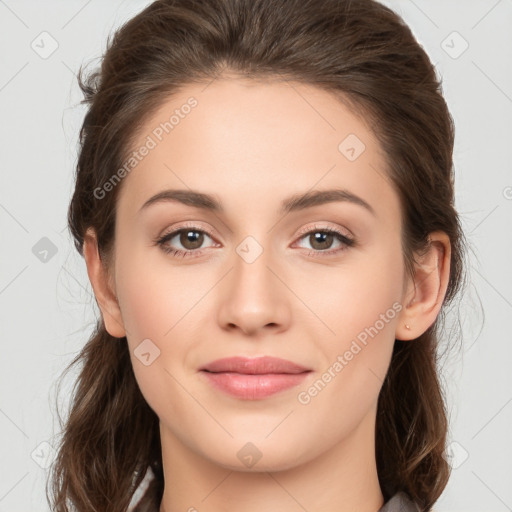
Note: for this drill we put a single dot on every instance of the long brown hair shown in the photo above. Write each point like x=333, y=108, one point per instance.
x=363, y=52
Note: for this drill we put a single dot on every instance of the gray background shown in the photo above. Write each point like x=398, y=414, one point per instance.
x=46, y=304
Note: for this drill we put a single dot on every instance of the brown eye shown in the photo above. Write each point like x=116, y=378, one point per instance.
x=191, y=239
x=183, y=242
x=321, y=240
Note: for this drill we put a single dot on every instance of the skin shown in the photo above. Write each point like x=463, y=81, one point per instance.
x=252, y=145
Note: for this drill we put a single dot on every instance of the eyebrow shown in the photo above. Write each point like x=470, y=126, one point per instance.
x=294, y=203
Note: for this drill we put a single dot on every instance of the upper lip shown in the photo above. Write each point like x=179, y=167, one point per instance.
x=258, y=365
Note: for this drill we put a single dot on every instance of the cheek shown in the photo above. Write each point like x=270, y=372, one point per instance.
x=355, y=295
x=154, y=297
x=361, y=309
x=164, y=305
x=154, y=304
x=357, y=358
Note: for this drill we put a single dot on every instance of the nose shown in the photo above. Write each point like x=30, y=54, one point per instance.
x=253, y=296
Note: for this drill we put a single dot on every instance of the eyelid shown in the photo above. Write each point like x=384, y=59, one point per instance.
x=307, y=229
x=192, y=225
x=196, y=225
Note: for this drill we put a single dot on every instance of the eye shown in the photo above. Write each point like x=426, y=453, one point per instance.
x=322, y=239
x=190, y=238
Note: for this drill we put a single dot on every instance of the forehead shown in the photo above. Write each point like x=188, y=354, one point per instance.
x=254, y=143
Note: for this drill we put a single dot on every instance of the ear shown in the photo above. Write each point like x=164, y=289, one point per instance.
x=425, y=293
x=103, y=290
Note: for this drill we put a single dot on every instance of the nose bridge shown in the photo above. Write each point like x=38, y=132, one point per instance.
x=254, y=297
x=251, y=265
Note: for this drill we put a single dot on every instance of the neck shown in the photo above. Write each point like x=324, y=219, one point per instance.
x=342, y=479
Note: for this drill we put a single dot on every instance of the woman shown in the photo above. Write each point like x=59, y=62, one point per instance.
x=264, y=201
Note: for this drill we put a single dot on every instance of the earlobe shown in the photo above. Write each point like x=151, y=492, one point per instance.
x=105, y=296
x=425, y=293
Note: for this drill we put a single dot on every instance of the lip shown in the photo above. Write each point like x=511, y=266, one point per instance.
x=254, y=366
x=254, y=379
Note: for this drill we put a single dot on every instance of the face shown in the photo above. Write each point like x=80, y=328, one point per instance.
x=315, y=282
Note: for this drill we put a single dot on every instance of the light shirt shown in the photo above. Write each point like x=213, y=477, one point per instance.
x=399, y=503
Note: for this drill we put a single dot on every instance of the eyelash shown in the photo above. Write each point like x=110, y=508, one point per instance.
x=161, y=241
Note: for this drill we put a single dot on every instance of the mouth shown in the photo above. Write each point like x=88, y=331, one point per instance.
x=254, y=366
x=254, y=379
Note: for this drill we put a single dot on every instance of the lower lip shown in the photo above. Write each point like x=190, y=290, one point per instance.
x=254, y=387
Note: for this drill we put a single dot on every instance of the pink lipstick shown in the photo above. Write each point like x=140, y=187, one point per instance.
x=254, y=379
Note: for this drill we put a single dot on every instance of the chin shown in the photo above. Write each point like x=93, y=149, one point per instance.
x=256, y=457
